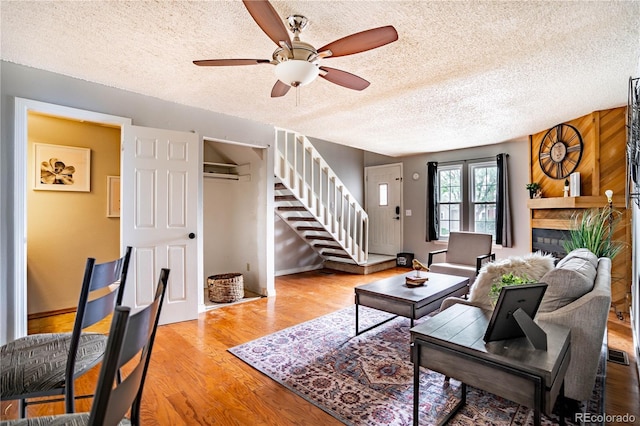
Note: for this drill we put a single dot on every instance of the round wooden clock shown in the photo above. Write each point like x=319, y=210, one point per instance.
x=560, y=151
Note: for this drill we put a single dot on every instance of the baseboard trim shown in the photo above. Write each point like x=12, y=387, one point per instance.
x=39, y=315
x=633, y=317
x=299, y=270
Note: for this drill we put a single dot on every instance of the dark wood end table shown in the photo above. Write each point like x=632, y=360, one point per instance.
x=451, y=343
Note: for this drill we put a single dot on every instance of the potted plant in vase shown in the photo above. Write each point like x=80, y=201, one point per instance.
x=593, y=230
x=533, y=188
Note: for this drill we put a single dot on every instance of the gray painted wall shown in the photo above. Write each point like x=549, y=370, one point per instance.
x=415, y=194
x=347, y=163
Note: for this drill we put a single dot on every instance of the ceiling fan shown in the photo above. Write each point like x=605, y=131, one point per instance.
x=297, y=62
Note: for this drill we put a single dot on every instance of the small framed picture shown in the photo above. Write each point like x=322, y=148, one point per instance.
x=61, y=168
x=113, y=196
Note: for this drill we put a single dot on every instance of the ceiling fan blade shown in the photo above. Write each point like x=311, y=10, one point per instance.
x=230, y=62
x=279, y=89
x=361, y=42
x=344, y=79
x=268, y=20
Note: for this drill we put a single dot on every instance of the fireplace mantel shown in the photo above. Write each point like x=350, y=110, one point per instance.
x=558, y=212
x=584, y=202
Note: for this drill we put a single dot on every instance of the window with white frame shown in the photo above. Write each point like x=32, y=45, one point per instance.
x=467, y=197
x=482, y=199
x=450, y=199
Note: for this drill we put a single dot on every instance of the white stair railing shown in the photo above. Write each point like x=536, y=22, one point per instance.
x=305, y=173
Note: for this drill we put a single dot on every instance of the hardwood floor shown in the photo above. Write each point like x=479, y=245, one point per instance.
x=622, y=388
x=193, y=380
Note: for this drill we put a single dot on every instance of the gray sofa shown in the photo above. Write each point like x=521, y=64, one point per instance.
x=578, y=296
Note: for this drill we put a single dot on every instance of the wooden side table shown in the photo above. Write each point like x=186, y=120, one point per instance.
x=452, y=343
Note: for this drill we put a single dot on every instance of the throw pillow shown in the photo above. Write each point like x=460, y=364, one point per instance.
x=581, y=253
x=582, y=261
x=532, y=265
x=564, y=286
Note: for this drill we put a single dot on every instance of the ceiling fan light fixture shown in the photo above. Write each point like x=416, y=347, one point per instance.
x=296, y=72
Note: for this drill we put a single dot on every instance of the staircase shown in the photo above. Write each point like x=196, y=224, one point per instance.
x=314, y=202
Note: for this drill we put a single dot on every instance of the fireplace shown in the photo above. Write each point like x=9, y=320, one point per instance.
x=549, y=241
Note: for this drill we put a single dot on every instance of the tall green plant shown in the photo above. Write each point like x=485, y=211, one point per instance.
x=593, y=230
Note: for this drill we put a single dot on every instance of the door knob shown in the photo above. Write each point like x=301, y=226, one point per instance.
x=191, y=235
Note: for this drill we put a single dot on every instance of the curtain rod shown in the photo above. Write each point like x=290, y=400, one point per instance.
x=468, y=160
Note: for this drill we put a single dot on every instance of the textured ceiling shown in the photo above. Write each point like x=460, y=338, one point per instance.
x=461, y=73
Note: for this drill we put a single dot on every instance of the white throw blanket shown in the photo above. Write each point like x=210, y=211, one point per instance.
x=532, y=266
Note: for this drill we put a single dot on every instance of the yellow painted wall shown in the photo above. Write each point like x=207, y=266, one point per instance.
x=64, y=228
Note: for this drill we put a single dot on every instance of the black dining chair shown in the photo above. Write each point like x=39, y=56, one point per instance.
x=46, y=364
x=130, y=335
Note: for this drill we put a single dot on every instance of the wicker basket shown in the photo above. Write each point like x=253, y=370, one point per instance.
x=226, y=288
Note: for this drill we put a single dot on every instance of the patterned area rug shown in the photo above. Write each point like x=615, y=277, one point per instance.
x=368, y=379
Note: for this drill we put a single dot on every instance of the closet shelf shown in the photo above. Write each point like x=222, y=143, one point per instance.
x=228, y=171
x=227, y=165
x=228, y=176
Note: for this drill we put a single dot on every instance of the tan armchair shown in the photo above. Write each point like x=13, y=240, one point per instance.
x=464, y=255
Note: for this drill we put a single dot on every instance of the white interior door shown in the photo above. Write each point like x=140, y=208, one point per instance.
x=159, y=211
x=383, y=203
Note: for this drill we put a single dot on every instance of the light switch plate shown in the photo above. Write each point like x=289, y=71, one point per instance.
x=407, y=212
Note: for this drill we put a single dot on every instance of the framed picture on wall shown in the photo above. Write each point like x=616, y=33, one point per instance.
x=61, y=168
x=113, y=196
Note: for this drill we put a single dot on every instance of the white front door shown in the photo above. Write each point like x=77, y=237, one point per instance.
x=383, y=203
x=159, y=212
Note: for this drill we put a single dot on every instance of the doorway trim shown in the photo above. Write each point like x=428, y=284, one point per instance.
x=370, y=207
x=22, y=108
x=266, y=256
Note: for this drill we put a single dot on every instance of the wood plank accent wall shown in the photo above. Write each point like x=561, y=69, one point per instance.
x=602, y=167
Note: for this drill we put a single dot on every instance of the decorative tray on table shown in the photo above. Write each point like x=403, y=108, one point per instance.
x=415, y=281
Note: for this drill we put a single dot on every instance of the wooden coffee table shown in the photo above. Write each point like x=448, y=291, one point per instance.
x=394, y=296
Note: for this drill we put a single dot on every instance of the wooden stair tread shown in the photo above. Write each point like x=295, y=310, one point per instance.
x=321, y=240
x=319, y=237
x=292, y=208
x=341, y=255
x=327, y=246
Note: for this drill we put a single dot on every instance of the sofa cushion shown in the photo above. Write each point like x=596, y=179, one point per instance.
x=564, y=286
x=453, y=269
